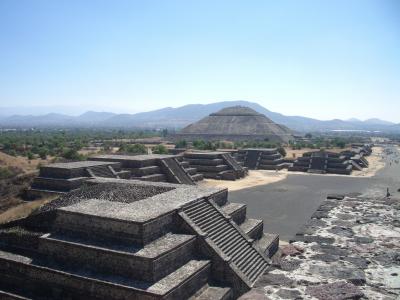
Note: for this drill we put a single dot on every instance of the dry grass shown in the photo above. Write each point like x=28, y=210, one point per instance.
x=23, y=210
x=22, y=162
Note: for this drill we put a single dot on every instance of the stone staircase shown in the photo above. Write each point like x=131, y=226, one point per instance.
x=215, y=165
x=68, y=264
x=267, y=243
x=175, y=170
x=192, y=172
x=226, y=236
x=102, y=171
x=184, y=243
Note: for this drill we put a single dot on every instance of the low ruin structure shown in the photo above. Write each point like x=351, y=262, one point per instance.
x=65, y=177
x=122, y=239
x=237, y=123
x=261, y=159
x=357, y=155
x=155, y=167
x=215, y=165
x=322, y=162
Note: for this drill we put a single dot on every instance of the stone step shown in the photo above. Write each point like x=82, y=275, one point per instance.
x=236, y=210
x=205, y=162
x=214, y=293
x=4, y=295
x=185, y=164
x=151, y=262
x=208, y=168
x=253, y=228
x=230, y=241
x=196, y=207
x=144, y=171
x=58, y=184
x=213, y=225
x=197, y=177
x=222, y=238
x=228, y=175
x=154, y=177
x=201, y=214
x=202, y=155
x=268, y=244
x=243, y=260
x=34, y=274
x=191, y=171
x=231, y=244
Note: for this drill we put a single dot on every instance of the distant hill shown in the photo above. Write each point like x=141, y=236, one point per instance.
x=179, y=117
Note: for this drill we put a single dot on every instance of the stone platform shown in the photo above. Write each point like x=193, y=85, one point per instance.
x=127, y=239
x=65, y=177
x=261, y=159
x=322, y=162
x=154, y=167
x=215, y=165
x=347, y=250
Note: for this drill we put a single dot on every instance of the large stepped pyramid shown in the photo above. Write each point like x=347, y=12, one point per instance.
x=122, y=239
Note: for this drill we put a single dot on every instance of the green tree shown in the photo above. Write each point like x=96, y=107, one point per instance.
x=181, y=144
x=29, y=155
x=71, y=154
x=282, y=151
x=133, y=149
x=160, y=149
x=43, y=152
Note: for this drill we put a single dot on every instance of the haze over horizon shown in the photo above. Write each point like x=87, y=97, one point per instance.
x=318, y=59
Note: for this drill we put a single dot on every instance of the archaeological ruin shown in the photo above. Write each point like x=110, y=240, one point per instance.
x=155, y=167
x=261, y=159
x=215, y=165
x=237, y=123
x=322, y=162
x=125, y=239
x=65, y=177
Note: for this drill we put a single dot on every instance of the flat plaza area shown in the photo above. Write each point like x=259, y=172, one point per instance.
x=285, y=201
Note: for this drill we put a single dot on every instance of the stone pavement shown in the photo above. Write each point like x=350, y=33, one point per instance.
x=349, y=249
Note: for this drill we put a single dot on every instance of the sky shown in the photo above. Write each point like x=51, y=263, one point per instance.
x=320, y=59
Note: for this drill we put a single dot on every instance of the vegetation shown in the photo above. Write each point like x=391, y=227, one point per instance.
x=323, y=142
x=181, y=144
x=64, y=143
x=282, y=151
x=205, y=145
x=133, y=149
x=160, y=149
x=5, y=173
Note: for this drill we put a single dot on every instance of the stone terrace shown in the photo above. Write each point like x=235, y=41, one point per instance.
x=120, y=239
x=261, y=159
x=65, y=177
x=155, y=167
x=215, y=165
x=323, y=162
x=349, y=249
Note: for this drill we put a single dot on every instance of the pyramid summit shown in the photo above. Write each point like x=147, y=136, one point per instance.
x=236, y=123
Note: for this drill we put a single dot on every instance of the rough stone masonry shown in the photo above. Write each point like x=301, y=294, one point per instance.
x=349, y=249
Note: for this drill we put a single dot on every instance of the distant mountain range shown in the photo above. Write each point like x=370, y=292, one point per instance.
x=181, y=116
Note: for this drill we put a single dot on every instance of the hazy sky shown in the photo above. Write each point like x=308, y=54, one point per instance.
x=322, y=59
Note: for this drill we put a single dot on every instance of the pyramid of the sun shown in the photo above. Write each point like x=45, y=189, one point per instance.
x=237, y=123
